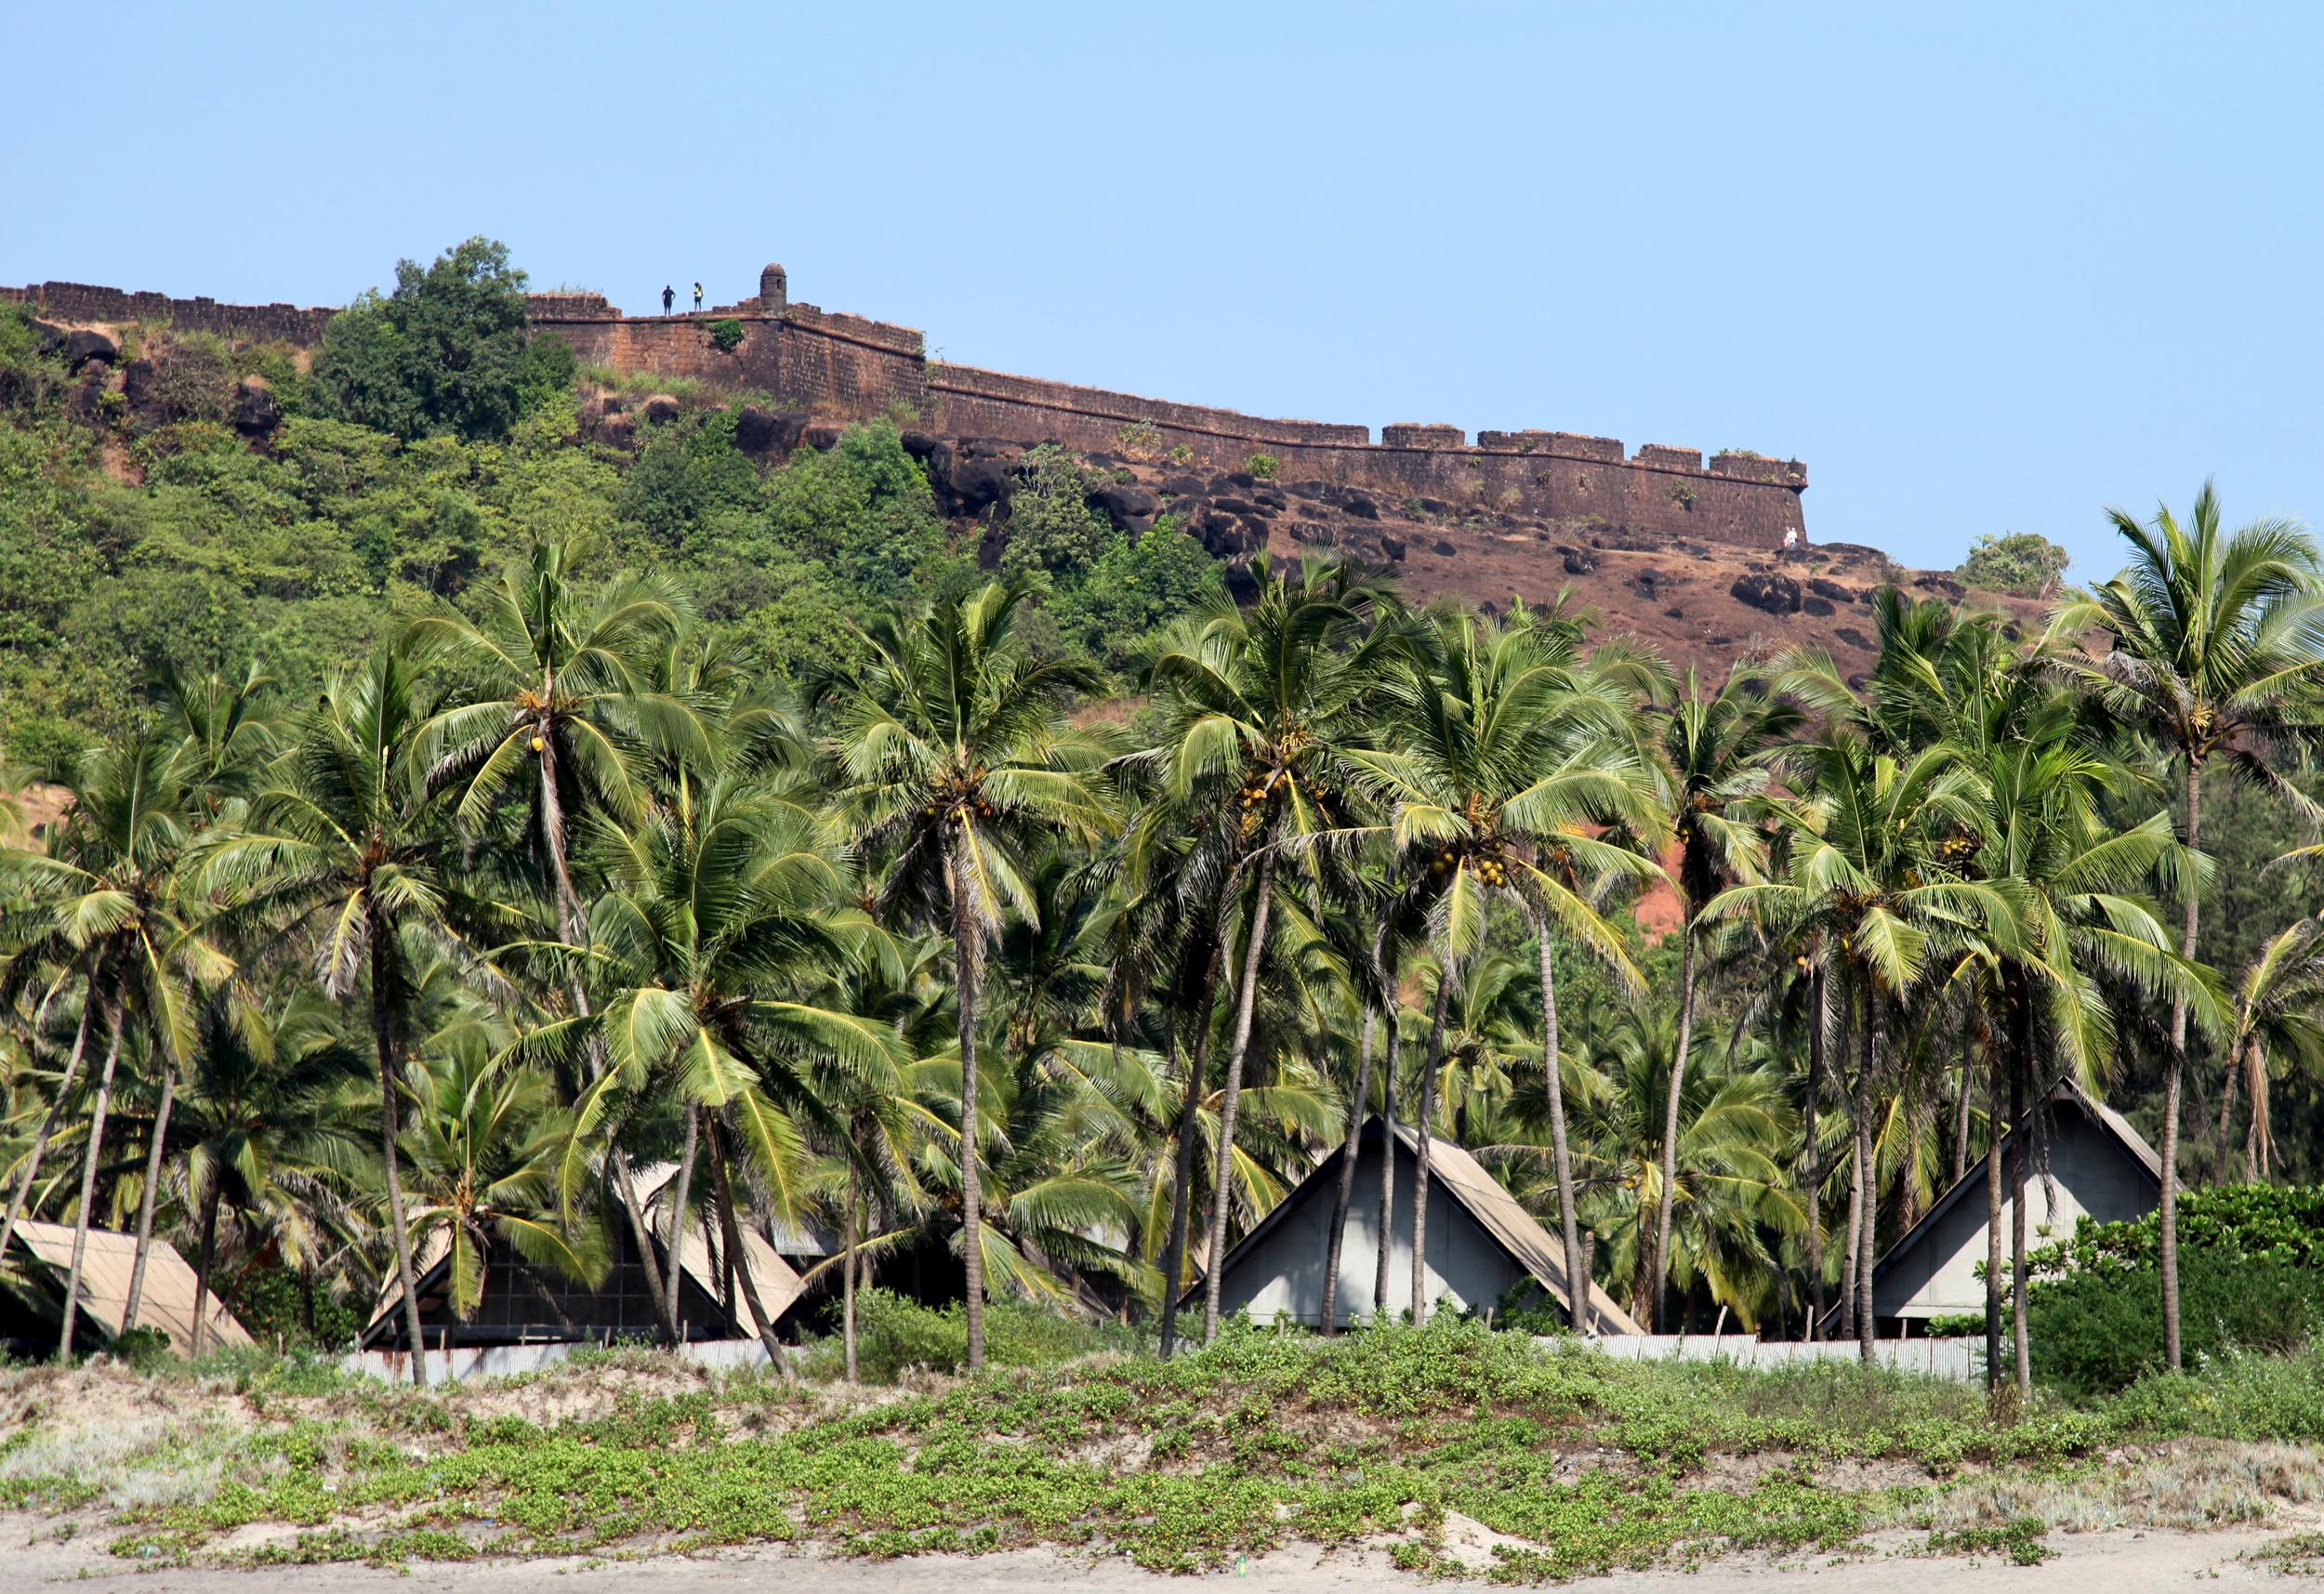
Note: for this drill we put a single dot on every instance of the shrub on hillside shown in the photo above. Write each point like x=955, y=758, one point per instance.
x=1050, y=524
x=447, y=351
x=2026, y=564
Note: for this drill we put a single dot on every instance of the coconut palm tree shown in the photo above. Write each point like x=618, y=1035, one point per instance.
x=2217, y=649
x=229, y=730
x=1735, y=1124
x=870, y=1169
x=1511, y=749
x=573, y=698
x=2278, y=1027
x=342, y=845
x=2069, y=883
x=956, y=757
x=1271, y=698
x=1866, y=869
x=266, y=1131
x=484, y=1137
x=723, y=909
x=110, y=894
x=1720, y=754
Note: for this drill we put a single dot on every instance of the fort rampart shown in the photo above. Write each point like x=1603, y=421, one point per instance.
x=844, y=367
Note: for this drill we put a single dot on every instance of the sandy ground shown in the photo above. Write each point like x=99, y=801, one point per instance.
x=2116, y=1563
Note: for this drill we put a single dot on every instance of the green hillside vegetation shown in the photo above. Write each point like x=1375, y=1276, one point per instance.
x=431, y=442
x=463, y=813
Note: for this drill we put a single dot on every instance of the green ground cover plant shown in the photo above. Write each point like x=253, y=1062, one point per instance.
x=1263, y=1440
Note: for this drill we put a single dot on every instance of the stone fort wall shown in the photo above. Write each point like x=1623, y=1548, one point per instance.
x=844, y=367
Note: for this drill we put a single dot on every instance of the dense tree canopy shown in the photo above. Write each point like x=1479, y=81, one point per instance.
x=498, y=815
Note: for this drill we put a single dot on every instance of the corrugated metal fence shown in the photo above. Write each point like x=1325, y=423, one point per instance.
x=1957, y=1358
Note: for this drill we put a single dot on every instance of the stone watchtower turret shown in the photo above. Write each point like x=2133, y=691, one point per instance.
x=774, y=290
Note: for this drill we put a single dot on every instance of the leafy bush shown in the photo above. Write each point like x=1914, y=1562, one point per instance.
x=2025, y=564
x=2097, y=1330
x=2236, y=1395
x=1050, y=524
x=726, y=336
x=446, y=352
x=2250, y=1277
x=893, y=1334
x=1111, y=610
x=2283, y=1224
x=1263, y=466
x=267, y=1301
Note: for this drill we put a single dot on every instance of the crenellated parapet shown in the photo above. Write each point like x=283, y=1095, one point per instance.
x=839, y=368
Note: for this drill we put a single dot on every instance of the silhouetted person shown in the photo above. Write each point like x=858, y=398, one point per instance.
x=669, y=297
x=697, y=298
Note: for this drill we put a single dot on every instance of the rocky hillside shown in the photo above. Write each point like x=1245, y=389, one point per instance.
x=1695, y=602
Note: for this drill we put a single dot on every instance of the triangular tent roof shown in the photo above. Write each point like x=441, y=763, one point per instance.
x=778, y=1282
x=1464, y=1181
x=169, y=1301
x=2067, y=1094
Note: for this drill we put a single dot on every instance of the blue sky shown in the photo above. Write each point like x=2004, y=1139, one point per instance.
x=1982, y=268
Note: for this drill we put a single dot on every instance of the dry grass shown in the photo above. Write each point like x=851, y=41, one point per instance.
x=2191, y=1484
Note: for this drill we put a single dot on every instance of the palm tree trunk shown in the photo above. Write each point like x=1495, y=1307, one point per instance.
x=1578, y=1302
x=663, y=1293
x=965, y=944
x=1424, y=1126
x=1993, y=1219
x=208, y=1256
x=2258, y=1137
x=847, y=1276
x=674, y=1241
x=641, y=1240
x=1345, y=1193
x=1388, y=1141
x=1815, y=1153
x=553, y=826
x=88, y=1175
x=391, y=1159
x=1189, y=1118
x=2017, y=1210
x=722, y=1196
x=1867, y=1328
x=1670, y=1110
x=21, y=1194
x=2230, y=1079
x=1968, y=1091
x=1245, y=1001
x=2176, y=1068
x=145, y=1202
x=1856, y=1236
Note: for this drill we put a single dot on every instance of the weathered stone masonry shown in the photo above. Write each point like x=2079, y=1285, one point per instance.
x=839, y=367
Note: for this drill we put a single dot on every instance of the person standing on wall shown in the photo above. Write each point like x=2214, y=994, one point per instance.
x=697, y=298
x=669, y=296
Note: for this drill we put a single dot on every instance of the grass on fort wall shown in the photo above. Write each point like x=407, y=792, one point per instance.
x=1572, y=1462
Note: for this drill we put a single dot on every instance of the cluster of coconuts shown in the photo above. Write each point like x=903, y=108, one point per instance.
x=959, y=794
x=1488, y=865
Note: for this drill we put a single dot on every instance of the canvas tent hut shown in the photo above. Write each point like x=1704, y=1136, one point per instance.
x=32, y=1278
x=2082, y=1158
x=524, y=1304
x=1483, y=1247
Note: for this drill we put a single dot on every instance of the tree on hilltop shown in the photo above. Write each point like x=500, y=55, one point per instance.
x=448, y=351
